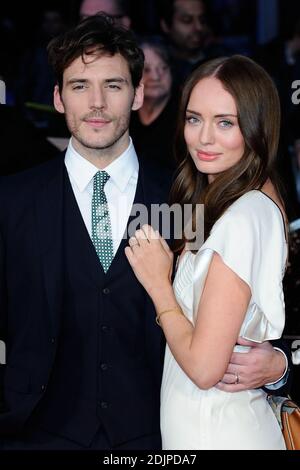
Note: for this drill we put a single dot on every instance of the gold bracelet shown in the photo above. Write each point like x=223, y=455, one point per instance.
x=174, y=310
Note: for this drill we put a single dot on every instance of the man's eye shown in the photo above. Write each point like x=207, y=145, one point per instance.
x=186, y=19
x=79, y=87
x=114, y=87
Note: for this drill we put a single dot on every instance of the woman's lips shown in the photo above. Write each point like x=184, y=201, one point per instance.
x=207, y=156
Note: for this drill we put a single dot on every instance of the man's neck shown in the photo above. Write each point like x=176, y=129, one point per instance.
x=101, y=158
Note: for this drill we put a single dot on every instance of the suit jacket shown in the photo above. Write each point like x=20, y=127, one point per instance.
x=31, y=295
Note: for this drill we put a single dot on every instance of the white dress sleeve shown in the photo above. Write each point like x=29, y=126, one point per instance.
x=250, y=238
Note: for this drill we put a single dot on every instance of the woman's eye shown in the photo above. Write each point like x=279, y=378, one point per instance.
x=163, y=68
x=225, y=123
x=191, y=119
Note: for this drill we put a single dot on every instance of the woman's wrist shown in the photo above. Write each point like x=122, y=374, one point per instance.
x=163, y=296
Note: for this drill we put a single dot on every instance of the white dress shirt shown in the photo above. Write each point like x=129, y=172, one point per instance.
x=120, y=188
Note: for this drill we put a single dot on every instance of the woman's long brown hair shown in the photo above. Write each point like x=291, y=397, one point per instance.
x=258, y=110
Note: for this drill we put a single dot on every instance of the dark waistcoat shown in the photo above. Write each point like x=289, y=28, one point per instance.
x=106, y=369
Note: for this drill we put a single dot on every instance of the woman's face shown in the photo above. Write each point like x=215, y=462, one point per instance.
x=157, y=75
x=211, y=131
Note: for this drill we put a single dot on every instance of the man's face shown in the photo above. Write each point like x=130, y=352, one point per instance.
x=97, y=99
x=189, y=26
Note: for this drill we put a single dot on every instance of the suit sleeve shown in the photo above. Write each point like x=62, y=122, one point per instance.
x=286, y=381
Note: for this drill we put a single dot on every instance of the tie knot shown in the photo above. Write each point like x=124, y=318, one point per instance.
x=100, y=179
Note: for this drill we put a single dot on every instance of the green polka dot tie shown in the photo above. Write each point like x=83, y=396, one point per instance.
x=101, y=225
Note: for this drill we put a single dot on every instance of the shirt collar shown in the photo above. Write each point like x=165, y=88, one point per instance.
x=120, y=170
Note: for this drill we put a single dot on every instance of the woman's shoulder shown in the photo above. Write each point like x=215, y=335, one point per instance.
x=252, y=227
x=254, y=199
x=256, y=204
x=255, y=212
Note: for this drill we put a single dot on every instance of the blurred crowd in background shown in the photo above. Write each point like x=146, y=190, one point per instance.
x=176, y=36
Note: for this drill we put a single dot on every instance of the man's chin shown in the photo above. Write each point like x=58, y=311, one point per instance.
x=197, y=47
x=98, y=145
x=194, y=44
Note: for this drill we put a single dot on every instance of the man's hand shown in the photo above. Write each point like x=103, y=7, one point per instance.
x=261, y=365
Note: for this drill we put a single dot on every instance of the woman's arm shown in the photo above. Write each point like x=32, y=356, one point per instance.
x=203, y=351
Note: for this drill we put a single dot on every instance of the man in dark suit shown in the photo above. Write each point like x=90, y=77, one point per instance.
x=84, y=354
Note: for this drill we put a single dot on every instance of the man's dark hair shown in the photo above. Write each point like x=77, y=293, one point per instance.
x=124, y=6
x=159, y=46
x=166, y=11
x=97, y=34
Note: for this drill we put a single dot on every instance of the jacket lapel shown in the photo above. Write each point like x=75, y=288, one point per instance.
x=76, y=235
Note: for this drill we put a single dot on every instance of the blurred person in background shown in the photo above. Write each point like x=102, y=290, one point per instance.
x=153, y=125
x=9, y=55
x=186, y=25
x=117, y=9
x=36, y=79
x=281, y=58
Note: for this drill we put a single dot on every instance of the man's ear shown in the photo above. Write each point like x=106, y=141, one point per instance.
x=138, y=97
x=58, y=104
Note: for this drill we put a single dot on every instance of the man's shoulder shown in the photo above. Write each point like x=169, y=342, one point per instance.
x=19, y=190
x=32, y=178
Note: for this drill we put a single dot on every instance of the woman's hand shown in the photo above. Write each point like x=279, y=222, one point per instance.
x=150, y=258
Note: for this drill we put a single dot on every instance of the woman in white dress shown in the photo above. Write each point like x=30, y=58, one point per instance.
x=232, y=285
